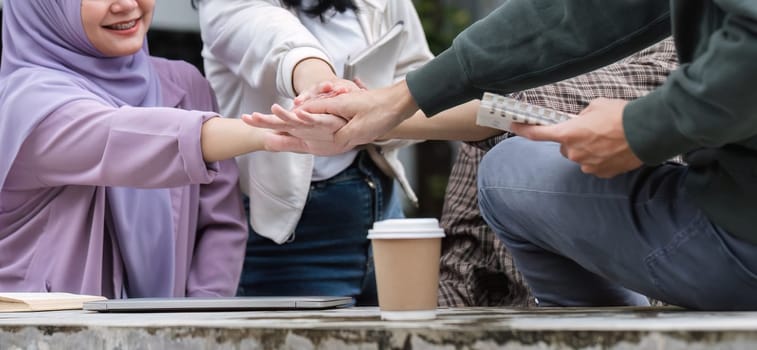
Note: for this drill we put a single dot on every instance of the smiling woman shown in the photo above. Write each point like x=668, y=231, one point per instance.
x=116, y=27
x=115, y=172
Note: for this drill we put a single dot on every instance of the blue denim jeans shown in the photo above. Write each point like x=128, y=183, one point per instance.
x=584, y=241
x=329, y=253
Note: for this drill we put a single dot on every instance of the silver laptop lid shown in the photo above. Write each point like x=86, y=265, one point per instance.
x=217, y=304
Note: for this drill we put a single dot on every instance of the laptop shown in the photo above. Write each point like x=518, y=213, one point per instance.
x=217, y=304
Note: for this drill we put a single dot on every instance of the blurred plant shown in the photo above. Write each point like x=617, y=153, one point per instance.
x=441, y=22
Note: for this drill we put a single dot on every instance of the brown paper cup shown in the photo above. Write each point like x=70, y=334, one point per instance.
x=406, y=255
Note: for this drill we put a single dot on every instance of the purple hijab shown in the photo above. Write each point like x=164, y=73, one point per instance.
x=47, y=61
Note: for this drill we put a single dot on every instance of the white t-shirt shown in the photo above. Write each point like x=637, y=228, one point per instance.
x=341, y=35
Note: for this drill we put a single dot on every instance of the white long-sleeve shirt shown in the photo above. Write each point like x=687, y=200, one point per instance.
x=250, y=51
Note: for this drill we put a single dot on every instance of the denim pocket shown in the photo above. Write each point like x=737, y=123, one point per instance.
x=698, y=270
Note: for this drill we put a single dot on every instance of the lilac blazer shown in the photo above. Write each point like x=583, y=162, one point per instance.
x=54, y=231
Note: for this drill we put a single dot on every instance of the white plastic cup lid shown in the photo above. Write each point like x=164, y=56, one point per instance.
x=415, y=315
x=406, y=229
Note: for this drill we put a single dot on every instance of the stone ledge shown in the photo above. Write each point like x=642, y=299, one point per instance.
x=361, y=328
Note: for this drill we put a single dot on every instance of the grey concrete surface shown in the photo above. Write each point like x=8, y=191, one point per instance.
x=361, y=328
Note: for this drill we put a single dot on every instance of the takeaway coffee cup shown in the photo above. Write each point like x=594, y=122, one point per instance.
x=406, y=255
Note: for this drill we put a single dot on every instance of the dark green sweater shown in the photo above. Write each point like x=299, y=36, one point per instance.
x=707, y=109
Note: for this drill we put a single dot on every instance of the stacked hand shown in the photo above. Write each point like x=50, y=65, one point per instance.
x=335, y=117
x=300, y=131
x=307, y=134
x=329, y=88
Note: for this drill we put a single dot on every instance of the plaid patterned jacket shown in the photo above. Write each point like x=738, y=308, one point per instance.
x=476, y=269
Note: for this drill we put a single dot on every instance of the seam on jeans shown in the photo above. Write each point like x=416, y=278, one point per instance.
x=679, y=238
x=670, y=250
x=697, y=224
x=372, y=173
x=571, y=194
x=576, y=195
x=727, y=251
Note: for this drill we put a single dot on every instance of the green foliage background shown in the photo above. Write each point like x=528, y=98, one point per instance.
x=441, y=22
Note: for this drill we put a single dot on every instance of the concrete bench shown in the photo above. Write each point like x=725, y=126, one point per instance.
x=361, y=328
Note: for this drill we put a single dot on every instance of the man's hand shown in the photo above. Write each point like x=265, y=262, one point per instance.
x=595, y=139
x=370, y=114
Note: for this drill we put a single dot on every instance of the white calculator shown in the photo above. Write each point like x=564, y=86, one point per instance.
x=497, y=111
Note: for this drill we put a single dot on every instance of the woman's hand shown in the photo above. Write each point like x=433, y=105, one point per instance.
x=282, y=142
x=298, y=132
x=328, y=88
x=303, y=125
x=313, y=78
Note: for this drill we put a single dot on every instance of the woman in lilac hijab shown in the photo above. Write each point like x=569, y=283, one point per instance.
x=115, y=176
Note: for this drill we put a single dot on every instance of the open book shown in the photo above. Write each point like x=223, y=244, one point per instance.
x=375, y=64
x=496, y=111
x=19, y=301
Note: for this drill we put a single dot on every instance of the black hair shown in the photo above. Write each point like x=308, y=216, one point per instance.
x=322, y=6
x=316, y=11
